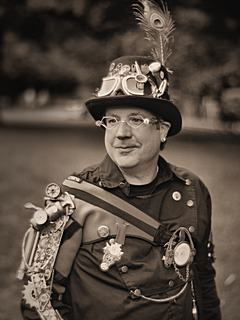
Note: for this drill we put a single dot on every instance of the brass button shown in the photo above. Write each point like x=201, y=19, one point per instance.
x=103, y=231
x=176, y=196
x=171, y=283
x=190, y=203
x=124, y=269
x=191, y=229
x=188, y=182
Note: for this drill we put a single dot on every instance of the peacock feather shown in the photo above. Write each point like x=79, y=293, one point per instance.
x=156, y=21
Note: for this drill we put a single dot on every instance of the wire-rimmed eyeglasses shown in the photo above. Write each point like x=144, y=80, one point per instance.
x=134, y=121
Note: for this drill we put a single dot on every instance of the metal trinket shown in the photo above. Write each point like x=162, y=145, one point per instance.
x=182, y=254
x=112, y=253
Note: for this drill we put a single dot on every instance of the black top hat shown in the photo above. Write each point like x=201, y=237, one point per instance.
x=136, y=81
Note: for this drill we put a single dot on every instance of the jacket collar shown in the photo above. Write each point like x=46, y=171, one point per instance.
x=111, y=177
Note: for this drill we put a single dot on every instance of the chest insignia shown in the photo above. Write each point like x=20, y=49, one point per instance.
x=112, y=253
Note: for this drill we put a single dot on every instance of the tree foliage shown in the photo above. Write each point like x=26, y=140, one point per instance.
x=64, y=46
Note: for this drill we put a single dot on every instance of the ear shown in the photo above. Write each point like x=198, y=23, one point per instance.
x=164, y=128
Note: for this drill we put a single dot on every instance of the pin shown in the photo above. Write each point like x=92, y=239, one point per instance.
x=103, y=231
x=112, y=253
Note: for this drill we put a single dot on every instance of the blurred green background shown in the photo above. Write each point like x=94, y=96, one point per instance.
x=52, y=56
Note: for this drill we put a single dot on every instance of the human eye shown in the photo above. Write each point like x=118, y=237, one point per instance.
x=136, y=121
x=110, y=121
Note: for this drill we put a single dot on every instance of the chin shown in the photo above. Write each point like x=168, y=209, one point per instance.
x=126, y=163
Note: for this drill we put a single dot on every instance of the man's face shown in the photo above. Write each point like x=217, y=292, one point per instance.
x=132, y=147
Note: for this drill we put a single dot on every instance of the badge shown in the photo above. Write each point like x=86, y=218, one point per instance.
x=182, y=254
x=112, y=253
x=103, y=231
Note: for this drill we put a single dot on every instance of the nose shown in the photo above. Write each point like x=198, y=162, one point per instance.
x=124, y=131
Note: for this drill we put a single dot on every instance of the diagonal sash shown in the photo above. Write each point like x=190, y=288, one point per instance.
x=119, y=207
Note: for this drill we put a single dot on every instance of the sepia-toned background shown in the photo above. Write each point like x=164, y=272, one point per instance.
x=52, y=56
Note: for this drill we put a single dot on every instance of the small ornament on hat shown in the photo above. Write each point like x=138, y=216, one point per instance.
x=145, y=68
x=155, y=66
x=112, y=66
x=162, y=76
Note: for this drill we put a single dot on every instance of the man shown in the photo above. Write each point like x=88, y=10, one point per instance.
x=139, y=283
x=137, y=236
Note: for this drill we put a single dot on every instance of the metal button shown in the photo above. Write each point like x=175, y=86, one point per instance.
x=103, y=231
x=188, y=182
x=176, y=196
x=191, y=229
x=124, y=269
x=171, y=283
x=137, y=292
x=190, y=203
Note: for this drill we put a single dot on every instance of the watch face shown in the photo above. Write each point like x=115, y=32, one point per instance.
x=182, y=254
x=53, y=190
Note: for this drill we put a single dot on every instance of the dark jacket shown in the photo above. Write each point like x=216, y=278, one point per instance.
x=176, y=198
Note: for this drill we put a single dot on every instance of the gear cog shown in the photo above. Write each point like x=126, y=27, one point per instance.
x=29, y=295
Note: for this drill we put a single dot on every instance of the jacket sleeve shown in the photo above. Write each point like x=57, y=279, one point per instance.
x=209, y=303
x=60, y=298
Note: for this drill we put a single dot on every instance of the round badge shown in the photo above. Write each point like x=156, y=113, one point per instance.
x=182, y=254
x=103, y=231
x=53, y=190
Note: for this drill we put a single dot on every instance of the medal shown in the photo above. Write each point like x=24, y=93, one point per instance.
x=112, y=253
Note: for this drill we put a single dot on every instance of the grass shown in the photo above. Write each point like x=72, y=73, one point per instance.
x=32, y=158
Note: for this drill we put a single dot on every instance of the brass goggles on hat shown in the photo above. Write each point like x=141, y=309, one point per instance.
x=133, y=121
x=128, y=79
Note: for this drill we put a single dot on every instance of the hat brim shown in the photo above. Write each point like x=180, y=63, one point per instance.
x=165, y=109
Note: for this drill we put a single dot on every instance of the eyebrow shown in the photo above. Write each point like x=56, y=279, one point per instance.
x=112, y=114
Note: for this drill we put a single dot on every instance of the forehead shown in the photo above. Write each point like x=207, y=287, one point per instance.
x=125, y=111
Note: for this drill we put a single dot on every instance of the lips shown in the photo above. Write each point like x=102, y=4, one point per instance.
x=126, y=148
